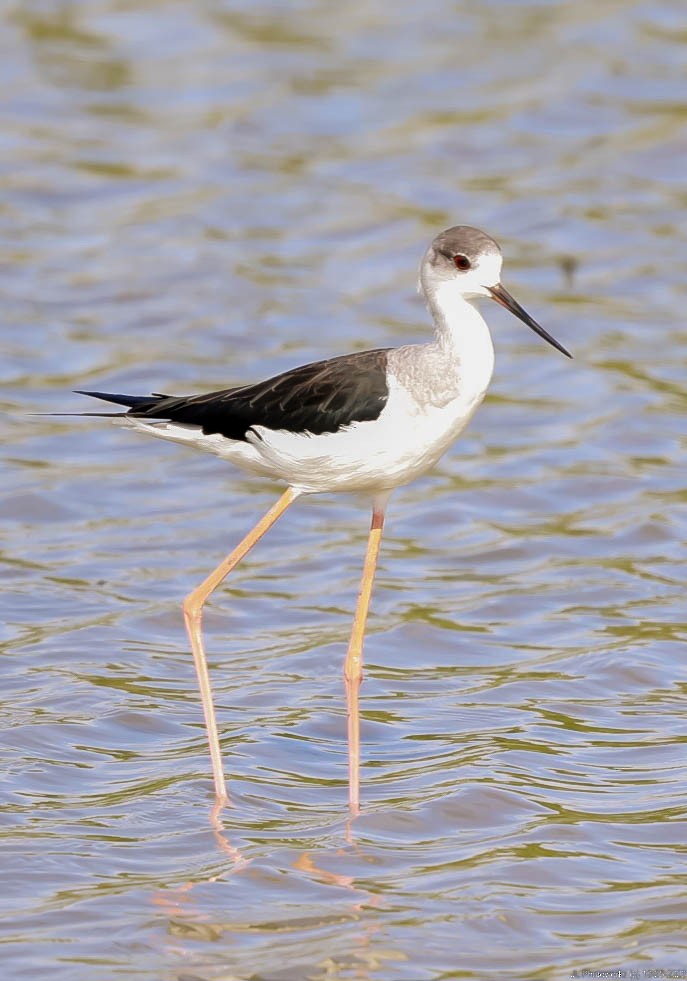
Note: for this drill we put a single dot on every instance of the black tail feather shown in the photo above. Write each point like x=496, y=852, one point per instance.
x=131, y=401
x=80, y=415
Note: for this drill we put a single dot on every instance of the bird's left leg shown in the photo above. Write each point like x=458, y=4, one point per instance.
x=353, y=668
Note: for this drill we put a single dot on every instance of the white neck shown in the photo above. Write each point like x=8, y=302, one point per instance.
x=459, y=324
x=463, y=338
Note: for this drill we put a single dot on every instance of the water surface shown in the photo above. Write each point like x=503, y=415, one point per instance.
x=196, y=195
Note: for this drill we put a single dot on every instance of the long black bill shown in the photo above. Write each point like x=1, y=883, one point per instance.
x=502, y=296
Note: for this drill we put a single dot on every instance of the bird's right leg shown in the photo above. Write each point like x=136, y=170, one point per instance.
x=193, y=613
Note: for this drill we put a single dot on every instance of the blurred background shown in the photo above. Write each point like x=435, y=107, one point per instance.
x=201, y=194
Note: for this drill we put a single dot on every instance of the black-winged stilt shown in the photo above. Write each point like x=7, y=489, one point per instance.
x=366, y=422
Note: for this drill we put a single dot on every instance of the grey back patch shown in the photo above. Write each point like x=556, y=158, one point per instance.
x=429, y=373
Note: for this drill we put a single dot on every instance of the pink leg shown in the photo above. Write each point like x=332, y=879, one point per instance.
x=193, y=613
x=353, y=669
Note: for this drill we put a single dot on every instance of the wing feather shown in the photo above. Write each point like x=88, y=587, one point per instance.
x=316, y=398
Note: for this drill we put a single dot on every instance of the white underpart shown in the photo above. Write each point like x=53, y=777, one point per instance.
x=432, y=396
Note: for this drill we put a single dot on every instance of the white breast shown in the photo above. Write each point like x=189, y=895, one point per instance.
x=404, y=442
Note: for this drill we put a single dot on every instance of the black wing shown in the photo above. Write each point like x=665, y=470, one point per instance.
x=316, y=398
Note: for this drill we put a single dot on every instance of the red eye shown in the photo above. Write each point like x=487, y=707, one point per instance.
x=461, y=262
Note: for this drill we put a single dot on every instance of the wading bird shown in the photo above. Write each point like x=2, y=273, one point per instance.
x=366, y=422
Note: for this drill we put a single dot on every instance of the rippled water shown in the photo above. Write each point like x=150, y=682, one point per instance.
x=196, y=195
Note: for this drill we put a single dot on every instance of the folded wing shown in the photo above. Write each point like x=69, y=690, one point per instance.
x=321, y=397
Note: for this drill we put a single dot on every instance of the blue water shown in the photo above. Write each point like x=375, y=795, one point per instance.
x=197, y=195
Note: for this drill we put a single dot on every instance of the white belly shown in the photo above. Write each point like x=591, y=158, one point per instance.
x=402, y=444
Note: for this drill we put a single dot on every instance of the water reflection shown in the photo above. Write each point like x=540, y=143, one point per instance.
x=188, y=921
